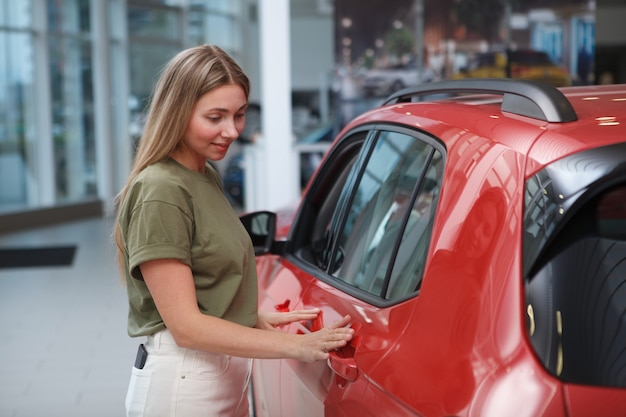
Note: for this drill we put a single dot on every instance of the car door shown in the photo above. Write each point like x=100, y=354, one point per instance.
x=279, y=290
x=362, y=237
x=282, y=283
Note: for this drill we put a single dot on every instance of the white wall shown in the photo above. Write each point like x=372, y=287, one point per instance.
x=312, y=41
x=312, y=44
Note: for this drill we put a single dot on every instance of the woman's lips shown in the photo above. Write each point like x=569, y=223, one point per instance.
x=221, y=146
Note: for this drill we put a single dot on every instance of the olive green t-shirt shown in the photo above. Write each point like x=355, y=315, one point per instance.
x=173, y=212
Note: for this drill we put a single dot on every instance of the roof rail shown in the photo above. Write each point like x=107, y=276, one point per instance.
x=524, y=97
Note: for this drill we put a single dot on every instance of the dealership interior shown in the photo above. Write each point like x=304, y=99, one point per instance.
x=76, y=75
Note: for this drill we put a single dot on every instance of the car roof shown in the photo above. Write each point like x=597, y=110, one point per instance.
x=601, y=112
x=553, y=122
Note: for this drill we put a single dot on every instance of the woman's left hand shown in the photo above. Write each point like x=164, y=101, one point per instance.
x=272, y=320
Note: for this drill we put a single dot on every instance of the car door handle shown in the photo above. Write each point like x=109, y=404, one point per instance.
x=344, y=366
x=283, y=307
x=307, y=327
x=342, y=362
x=310, y=326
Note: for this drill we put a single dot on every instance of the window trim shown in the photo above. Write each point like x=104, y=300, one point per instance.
x=304, y=214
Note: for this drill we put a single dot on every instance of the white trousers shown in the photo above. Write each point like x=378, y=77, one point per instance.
x=179, y=382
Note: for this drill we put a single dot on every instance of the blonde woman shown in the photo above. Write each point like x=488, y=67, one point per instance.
x=188, y=263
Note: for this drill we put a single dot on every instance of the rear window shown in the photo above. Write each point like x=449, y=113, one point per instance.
x=576, y=285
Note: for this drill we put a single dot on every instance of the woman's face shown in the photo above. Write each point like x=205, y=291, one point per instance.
x=482, y=231
x=217, y=119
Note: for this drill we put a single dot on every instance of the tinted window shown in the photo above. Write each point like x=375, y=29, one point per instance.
x=310, y=234
x=558, y=193
x=577, y=298
x=384, y=230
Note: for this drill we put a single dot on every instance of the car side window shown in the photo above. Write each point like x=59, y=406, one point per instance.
x=383, y=240
x=310, y=234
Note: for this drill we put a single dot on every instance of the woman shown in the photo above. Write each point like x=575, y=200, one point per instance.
x=188, y=262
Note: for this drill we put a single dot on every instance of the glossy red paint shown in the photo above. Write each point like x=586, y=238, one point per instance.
x=460, y=344
x=599, y=401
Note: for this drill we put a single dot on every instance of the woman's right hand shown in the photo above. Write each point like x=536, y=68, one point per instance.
x=315, y=346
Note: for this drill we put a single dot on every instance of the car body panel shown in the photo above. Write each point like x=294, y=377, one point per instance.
x=446, y=330
x=460, y=345
x=598, y=401
x=587, y=102
x=279, y=291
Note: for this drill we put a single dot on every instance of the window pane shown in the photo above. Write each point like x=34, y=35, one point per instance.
x=577, y=300
x=18, y=135
x=408, y=268
x=612, y=214
x=145, y=61
x=221, y=6
x=217, y=29
x=155, y=37
x=69, y=16
x=116, y=23
x=156, y=23
x=379, y=211
x=72, y=119
x=172, y=3
x=551, y=193
x=15, y=14
x=216, y=22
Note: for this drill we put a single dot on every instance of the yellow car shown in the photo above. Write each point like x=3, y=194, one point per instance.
x=522, y=64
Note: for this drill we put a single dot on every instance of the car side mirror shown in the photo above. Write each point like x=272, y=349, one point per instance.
x=261, y=226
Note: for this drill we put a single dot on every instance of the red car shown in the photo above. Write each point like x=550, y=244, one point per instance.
x=475, y=230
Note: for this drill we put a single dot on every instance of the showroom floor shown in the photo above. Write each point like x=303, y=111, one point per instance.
x=65, y=351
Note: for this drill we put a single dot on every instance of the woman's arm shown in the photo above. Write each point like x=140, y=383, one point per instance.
x=171, y=285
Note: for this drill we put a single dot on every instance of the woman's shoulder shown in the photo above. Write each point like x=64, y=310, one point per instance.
x=164, y=173
x=159, y=170
x=161, y=178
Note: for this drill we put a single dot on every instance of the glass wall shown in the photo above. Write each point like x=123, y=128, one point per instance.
x=72, y=99
x=75, y=77
x=18, y=132
x=154, y=33
x=216, y=20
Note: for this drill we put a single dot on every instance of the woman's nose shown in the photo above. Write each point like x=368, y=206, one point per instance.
x=230, y=130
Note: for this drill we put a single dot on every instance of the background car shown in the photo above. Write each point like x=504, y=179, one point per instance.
x=475, y=231
x=387, y=80
x=520, y=64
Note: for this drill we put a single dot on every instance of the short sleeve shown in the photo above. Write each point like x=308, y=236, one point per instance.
x=158, y=230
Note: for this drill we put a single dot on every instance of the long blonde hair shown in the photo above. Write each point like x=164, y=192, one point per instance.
x=187, y=77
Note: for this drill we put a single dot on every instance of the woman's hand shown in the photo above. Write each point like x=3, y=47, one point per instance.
x=273, y=320
x=315, y=346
